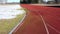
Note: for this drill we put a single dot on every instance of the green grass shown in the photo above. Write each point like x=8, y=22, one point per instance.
x=6, y=25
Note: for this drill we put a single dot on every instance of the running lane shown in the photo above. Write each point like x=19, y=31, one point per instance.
x=32, y=24
x=40, y=20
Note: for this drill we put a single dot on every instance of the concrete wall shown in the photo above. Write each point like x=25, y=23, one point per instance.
x=41, y=1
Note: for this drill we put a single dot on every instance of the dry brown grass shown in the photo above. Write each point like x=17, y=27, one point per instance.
x=6, y=25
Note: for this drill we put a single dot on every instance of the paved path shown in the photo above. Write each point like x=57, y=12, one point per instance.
x=40, y=20
x=46, y=4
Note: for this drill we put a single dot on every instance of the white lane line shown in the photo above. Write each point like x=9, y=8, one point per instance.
x=53, y=28
x=17, y=25
x=45, y=25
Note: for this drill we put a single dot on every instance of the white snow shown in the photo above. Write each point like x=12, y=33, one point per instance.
x=10, y=12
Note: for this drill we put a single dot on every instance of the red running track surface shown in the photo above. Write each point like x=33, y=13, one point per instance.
x=40, y=20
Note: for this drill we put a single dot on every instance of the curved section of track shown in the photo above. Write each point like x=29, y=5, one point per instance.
x=40, y=20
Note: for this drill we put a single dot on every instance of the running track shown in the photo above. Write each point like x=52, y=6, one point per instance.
x=40, y=20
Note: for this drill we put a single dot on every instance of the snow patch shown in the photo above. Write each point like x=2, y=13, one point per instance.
x=10, y=12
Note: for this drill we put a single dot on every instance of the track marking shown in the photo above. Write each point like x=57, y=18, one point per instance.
x=17, y=25
x=53, y=28
x=45, y=25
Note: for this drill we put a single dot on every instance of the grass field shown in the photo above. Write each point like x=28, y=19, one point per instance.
x=6, y=25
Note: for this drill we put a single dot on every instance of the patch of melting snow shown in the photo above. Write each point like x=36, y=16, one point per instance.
x=10, y=12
